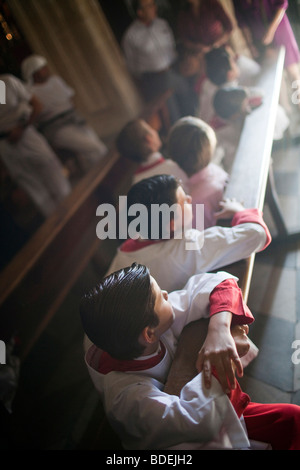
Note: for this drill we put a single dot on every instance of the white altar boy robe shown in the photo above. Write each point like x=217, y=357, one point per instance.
x=145, y=417
x=172, y=263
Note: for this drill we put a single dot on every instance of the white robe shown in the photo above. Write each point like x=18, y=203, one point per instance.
x=145, y=417
x=64, y=134
x=30, y=161
x=172, y=263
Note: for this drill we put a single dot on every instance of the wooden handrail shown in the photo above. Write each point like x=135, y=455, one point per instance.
x=248, y=182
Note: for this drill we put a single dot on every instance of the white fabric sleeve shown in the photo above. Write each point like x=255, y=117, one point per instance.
x=192, y=302
x=220, y=246
x=147, y=418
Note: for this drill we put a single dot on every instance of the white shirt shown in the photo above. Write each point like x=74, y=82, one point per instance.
x=172, y=264
x=17, y=108
x=149, y=48
x=55, y=96
x=145, y=416
x=158, y=165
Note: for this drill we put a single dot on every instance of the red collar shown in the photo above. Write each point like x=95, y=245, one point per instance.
x=134, y=245
x=109, y=364
x=141, y=169
x=217, y=123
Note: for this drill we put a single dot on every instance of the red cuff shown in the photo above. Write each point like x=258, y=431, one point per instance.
x=227, y=297
x=252, y=216
x=239, y=399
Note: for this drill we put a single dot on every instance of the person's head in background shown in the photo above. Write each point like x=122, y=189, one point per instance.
x=231, y=103
x=145, y=10
x=191, y=144
x=137, y=141
x=221, y=66
x=35, y=69
x=160, y=193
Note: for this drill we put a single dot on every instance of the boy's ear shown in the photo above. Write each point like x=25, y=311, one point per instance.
x=148, y=139
x=148, y=335
x=230, y=75
x=172, y=225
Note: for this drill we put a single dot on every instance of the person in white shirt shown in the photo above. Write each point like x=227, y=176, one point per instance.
x=134, y=327
x=176, y=252
x=59, y=122
x=150, y=53
x=141, y=143
x=26, y=154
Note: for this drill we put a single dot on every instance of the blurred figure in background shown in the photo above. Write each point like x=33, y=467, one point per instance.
x=29, y=159
x=58, y=121
x=150, y=52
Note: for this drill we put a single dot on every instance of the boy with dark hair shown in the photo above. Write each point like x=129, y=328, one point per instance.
x=183, y=251
x=135, y=328
x=223, y=68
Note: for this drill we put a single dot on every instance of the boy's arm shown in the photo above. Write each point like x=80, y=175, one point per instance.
x=219, y=352
x=232, y=209
x=221, y=246
x=269, y=36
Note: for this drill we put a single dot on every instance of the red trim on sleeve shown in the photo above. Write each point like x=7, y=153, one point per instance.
x=252, y=216
x=239, y=399
x=227, y=297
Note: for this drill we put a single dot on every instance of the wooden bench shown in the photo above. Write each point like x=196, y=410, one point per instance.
x=251, y=180
x=39, y=277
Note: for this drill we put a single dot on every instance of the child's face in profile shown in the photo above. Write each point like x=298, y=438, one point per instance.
x=162, y=308
x=251, y=102
x=246, y=107
x=183, y=217
x=152, y=137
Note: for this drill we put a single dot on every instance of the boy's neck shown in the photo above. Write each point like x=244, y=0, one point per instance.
x=151, y=349
x=152, y=158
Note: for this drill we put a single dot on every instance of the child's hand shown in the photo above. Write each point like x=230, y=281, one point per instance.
x=229, y=207
x=239, y=334
x=219, y=353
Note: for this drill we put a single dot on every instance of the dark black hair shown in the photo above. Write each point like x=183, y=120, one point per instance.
x=218, y=65
x=158, y=190
x=228, y=101
x=131, y=141
x=115, y=312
